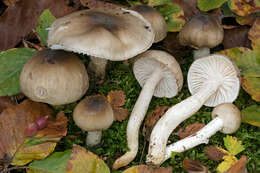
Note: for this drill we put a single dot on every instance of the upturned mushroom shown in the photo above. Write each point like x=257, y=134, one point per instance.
x=201, y=32
x=103, y=34
x=93, y=114
x=160, y=75
x=212, y=80
x=155, y=18
x=55, y=77
x=226, y=119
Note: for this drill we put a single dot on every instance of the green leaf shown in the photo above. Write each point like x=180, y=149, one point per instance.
x=158, y=2
x=233, y=145
x=45, y=21
x=173, y=15
x=12, y=62
x=251, y=115
x=206, y=5
x=55, y=163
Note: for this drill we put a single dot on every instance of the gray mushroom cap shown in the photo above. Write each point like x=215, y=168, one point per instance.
x=172, y=80
x=230, y=115
x=215, y=68
x=114, y=34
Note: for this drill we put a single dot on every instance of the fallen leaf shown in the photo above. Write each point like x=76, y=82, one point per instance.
x=116, y=97
x=244, y=8
x=5, y=102
x=205, y=5
x=189, y=130
x=85, y=161
x=251, y=115
x=239, y=167
x=100, y=4
x=19, y=19
x=233, y=145
x=215, y=153
x=246, y=20
x=173, y=15
x=193, y=166
x=254, y=35
x=236, y=37
x=10, y=2
x=151, y=119
x=12, y=62
x=229, y=160
x=189, y=7
x=120, y=114
x=147, y=169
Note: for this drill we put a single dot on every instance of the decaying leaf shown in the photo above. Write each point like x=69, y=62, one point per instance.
x=100, y=4
x=147, y=169
x=116, y=97
x=189, y=7
x=254, y=35
x=233, y=145
x=26, y=14
x=14, y=142
x=246, y=20
x=120, y=114
x=151, y=119
x=244, y=8
x=229, y=160
x=236, y=37
x=251, y=115
x=239, y=167
x=5, y=102
x=189, y=130
x=215, y=153
x=193, y=166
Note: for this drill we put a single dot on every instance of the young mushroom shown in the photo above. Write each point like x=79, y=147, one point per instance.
x=212, y=80
x=103, y=34
x=201, y=32
x=160, y=75
x=55, y=77
x=155, y=18
x=226, y=119
x=93, y=114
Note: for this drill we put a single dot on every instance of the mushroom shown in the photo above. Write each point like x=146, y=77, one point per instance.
x=201, y=32
x=212, y=80
x=55, y=77
x=160, y=75
x=102, y=33
x=93, y=114
x=155, y=18
x=226, y=119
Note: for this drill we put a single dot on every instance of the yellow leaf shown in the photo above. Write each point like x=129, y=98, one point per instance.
x=233, y=145
x=229, y=160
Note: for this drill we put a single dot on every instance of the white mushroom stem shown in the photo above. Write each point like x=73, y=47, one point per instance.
x=98, y=67
x=137, y=117
x=199, y=53
x=93, y=138
x=202, y=136
x=173, y=117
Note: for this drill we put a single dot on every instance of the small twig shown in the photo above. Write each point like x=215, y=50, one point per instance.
x=36, y=46
x=14, y=168
x=39, y=38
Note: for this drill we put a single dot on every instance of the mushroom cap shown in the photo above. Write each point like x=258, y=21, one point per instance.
x=215, y=68
x=55, y=77
x=93, y=113
x=172, y=79
x=155, y=18
x=230, y=115
x=201, y=31
x=114, y=34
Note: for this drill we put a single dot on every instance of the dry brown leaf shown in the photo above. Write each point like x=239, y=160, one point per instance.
x=215, y=153
x=189, y=7
x=5, y=102
x=151, y=119
x=19, y=19
x=189, y=130
x=148, y=169
x=100, y=4
x=236, y=37
x=116, y=97
x=193, y=166
x=120, y=114
x=239, y=167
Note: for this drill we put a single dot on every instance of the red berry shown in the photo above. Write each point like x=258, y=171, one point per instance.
x=41, y=122
x=31, y=129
